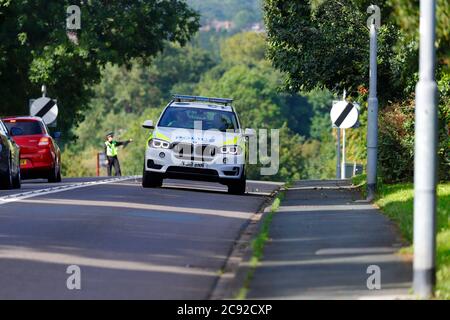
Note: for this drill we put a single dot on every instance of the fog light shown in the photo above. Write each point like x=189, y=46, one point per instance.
x=162, y=155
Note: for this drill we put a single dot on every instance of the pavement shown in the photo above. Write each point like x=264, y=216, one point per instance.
x=129, y=242
x=322, y=242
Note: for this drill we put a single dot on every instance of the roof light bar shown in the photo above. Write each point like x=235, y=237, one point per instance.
x=180, y=98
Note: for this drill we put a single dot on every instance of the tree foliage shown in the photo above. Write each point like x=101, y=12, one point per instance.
x=325, y=43
x=35, y=49
x=242, y=74
x=242, y=13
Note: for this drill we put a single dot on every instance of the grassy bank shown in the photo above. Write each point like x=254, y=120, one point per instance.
x=396, y=201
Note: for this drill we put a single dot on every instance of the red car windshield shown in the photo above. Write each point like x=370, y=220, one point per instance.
x=27, y=127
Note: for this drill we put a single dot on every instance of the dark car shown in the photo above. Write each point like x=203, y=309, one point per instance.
x=9, y=160
x=40, y=156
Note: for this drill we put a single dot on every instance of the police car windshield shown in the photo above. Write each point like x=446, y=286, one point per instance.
x=208, y=119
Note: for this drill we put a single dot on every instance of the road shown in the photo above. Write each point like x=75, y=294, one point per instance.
x=129, y=242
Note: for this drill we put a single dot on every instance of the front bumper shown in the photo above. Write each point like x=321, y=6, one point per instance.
x=219, y=168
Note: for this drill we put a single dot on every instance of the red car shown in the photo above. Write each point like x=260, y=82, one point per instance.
x=40, y=156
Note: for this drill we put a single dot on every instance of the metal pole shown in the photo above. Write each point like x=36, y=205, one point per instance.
x=338, y=153
x=44, y=90
x=372, y=122
x=343, y=176
x=98, y=165
x=425, y=157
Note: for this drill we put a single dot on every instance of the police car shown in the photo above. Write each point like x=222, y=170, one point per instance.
x=197, y=138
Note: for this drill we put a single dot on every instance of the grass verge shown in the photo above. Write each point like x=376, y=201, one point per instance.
x=396, y=201
x=258, y=246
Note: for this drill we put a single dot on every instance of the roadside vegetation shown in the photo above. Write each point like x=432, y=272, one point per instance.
x=258, y=245
x=35, y=48
x=396, y=201
x=127, y=96
x=313, y=47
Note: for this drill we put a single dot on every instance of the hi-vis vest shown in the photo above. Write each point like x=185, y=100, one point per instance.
x=111, y=149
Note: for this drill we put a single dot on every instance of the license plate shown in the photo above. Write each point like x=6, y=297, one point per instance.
x=23, y=162
x=192, y=164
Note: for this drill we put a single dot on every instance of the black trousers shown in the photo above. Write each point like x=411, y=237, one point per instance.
x=113, y=161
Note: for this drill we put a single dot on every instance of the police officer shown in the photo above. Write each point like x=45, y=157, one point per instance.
x=111, y=153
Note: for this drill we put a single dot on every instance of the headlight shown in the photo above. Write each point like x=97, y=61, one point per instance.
x=231, y=150
x=156, y=143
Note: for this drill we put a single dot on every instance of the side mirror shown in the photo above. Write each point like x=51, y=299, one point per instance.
x=148, y=124
x=56, y=135
x=15, y=131
x=249, y=132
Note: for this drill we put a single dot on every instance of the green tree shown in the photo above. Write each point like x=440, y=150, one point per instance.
x=328, y=45
x=247, y=48
x=35, y=49
x=406, y=15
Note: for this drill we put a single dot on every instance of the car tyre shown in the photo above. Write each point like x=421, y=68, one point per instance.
x=58, y=175
x=17, y=181
x=151, y=179
x=6, y=181
x=55, y=174
x=239, y=186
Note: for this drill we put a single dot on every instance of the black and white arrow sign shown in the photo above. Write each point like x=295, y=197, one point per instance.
x=344, y=114
x=45, y=108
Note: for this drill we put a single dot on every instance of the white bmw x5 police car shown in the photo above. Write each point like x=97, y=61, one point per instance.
x=197, y=138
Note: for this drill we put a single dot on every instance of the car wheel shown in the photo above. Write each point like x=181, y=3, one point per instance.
x=6, y=182
x=238, y=187
x=151, y=179
x=17, y=182
x=53, y=175
x=58, y=175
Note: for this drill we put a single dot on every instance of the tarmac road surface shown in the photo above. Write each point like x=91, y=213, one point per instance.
x=129, y=242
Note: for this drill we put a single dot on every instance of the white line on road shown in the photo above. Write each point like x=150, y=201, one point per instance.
x=21, y=253
x=41, y=192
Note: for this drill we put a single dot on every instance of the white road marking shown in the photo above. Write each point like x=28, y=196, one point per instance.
x=346, y=251
x=26, y=254
x=62, y=188
x=71, y=186
x=267, y=182
x=209, y=187
x=388, y=297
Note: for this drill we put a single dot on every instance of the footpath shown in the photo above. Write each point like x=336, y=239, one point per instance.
x=328, y=243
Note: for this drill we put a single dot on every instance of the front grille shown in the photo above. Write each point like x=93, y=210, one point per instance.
x=194, y=152
x=176, y=172
x=194, y=171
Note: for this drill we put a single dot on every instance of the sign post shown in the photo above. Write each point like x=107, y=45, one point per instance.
x=343, y=175
x=343, y=115
x=425, y=156
x=338, y=152
x=373, y=23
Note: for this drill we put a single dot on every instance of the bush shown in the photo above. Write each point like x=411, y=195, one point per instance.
x=396, y=142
